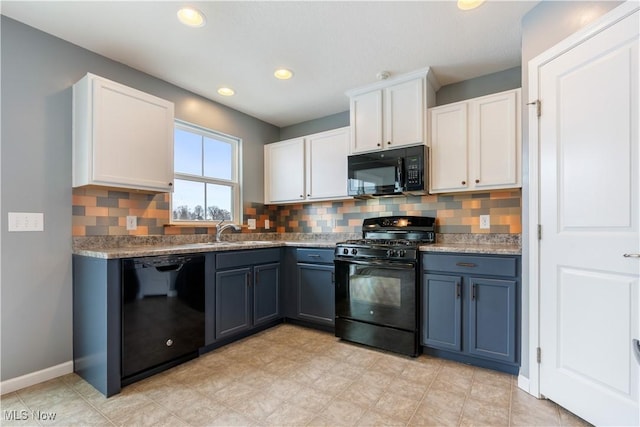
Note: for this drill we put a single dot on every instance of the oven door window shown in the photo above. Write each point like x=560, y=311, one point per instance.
x=384, y=295
x=368, y=288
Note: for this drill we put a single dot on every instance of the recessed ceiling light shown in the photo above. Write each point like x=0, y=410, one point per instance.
x=469, y=4
x=191, y=17
x=226, y=91
x=283, y=74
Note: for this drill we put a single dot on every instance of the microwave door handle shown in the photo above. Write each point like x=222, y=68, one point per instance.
x=400, y=174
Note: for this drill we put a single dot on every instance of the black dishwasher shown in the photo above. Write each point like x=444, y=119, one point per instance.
x=162, y=313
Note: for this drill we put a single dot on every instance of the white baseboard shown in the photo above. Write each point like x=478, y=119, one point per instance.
x=523, y=383
x=36, y=377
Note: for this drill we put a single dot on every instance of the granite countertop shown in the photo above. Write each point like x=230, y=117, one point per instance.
x=469, y=248
x=184, y=248
x=111, y=247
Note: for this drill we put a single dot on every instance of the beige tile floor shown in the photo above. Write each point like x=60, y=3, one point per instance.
x=293, y=376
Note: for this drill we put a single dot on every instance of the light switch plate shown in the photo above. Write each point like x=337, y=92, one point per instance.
x=252, y=223
x=266, y=224
x=26, y=221
x=485, y=221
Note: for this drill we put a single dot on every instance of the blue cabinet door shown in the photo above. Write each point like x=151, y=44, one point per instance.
x=442, y=311
x=266, y=293
x=232, y=301
x=316, y=293
x=492, y=318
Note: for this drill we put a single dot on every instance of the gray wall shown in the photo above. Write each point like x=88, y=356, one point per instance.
x=333, y=121
x=37, y=73
x=543, y=27
x=480, y=86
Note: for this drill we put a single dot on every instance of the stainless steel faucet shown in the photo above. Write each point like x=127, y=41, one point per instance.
x=221, y=228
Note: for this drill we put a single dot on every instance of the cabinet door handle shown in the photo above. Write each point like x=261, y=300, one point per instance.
x=465, y=264
x=473, y=292
x=631, y=255
x=464, y=182
x=378, y=144
x=636, y=349
x=388, y=142
x=458, y=290
x=477, y=181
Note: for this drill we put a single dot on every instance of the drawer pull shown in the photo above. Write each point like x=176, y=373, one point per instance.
x=313, y=255
x=465, y=264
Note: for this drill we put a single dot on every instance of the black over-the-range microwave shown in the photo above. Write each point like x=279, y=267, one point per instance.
x=389, y=172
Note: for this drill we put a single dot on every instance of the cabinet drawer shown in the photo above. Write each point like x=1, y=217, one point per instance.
x=318, y=256
x=233, y=259
x=471, y=264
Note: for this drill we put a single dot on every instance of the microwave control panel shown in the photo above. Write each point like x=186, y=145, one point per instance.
x=414, y=170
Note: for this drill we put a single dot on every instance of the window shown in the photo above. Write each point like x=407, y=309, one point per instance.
x=207, y=169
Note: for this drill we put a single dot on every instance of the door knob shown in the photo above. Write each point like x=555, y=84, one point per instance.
x=636, y=349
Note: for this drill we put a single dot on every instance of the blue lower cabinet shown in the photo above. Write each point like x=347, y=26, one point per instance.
x=232, y=301
x=316, y=293
x=442, y=308
x=246, y=291
x=309, y=287
x=492, y=318
x=470, y=309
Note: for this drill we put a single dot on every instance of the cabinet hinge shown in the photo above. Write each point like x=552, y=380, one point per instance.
x=539, y=231
x=538, y=105
x=538, y=355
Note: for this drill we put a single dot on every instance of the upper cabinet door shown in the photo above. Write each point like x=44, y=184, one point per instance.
x=326, y=166
x=495, y=140
x=404, y=114
x=284, y=169
x=366, y=122
x=391, y=113
x=449, y=148
x=122, y=137
x=475, y=144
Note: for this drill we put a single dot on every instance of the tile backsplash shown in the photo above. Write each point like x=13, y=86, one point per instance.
x=103, y=212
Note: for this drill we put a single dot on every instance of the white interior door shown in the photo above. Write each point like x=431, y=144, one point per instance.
x=589, y=191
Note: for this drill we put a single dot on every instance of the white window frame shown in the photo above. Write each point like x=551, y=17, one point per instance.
x=235, y=182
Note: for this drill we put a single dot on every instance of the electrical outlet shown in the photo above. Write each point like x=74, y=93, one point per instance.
x=266, y=224
x=485, y=221
x=251, y=223
x=132, y=222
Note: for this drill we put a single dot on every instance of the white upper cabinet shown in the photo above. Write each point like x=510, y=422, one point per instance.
x=476, y=144
x=308, y=168
x=284, y=171
x=122, y=137
x=326, y=164
x=391, y=113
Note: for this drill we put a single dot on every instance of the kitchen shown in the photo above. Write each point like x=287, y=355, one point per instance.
x=47, y=182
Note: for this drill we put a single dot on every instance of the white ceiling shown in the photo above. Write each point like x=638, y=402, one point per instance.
x=331, y=46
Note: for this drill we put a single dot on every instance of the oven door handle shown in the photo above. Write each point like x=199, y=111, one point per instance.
x=378, y=263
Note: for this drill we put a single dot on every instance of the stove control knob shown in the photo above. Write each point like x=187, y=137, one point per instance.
x=345, y=251
x=392, y=253
x=402, y=253
x=354, y=251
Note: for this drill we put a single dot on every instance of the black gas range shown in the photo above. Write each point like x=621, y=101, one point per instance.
x=377, y=292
